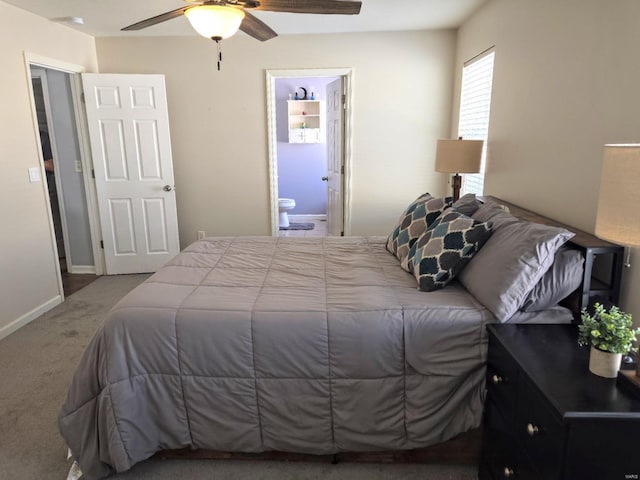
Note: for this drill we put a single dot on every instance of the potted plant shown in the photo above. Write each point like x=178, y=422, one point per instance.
x=610, y=334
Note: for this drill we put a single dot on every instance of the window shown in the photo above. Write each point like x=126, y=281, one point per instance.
x=475, y=105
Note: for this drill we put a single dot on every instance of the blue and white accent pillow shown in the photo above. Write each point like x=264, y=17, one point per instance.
x=445, y=248
x=413, y=222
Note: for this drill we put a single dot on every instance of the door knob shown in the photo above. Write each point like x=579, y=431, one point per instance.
x=167, y=188
x=325, y=179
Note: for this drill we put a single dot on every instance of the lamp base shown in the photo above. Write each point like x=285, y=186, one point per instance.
x=628, y=381
x=456, y=182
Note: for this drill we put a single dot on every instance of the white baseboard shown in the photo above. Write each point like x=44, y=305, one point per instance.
x=29, y=316
x=309, y=217
x=83, y=269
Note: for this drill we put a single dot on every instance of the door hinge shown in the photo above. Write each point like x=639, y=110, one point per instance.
x=102, y=244
x=344, y=99
x=83, y=98
x=93, y=173
x=342, y=169
x=342, y=234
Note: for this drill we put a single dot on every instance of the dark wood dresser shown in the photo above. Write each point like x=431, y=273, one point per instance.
x=547, y=417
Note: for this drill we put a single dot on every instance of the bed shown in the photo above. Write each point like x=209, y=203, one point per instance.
x=308, y=345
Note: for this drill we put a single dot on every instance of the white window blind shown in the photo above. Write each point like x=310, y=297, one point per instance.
x=475, y=106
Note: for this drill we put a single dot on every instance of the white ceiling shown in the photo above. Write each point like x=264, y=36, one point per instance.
x=106, y=17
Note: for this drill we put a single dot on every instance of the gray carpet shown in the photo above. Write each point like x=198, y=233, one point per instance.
x=36, y=364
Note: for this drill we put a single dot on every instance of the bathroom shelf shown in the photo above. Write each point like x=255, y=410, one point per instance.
x=305, y=118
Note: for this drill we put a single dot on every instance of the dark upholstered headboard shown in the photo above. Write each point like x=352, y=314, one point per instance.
x=591, y=288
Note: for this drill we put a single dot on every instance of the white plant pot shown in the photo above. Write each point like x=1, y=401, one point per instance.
x=604, y=364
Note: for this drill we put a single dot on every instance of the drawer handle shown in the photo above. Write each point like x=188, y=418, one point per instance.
x=508, y=472
x=496, y=379
x=532, y=429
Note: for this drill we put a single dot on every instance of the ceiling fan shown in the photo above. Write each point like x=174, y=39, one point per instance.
x=219, y=19
x=249, y=23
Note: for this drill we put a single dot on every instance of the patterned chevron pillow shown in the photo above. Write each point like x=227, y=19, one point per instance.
x=413, y=222
x=445, y=248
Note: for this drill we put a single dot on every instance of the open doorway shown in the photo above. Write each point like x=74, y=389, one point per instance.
x=309, y=118
x=63, y=166
x=301, y=130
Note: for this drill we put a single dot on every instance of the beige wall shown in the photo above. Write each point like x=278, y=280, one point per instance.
x=27, y=278
x=402, y=85
x=565, y=83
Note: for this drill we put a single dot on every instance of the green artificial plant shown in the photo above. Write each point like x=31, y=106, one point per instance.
x=608, y=330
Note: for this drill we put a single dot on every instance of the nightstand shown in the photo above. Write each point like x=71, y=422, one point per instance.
x=547, y=417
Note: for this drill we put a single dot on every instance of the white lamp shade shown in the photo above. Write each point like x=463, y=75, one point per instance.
x=618, y=219
x=458, y=156
x=215, y=21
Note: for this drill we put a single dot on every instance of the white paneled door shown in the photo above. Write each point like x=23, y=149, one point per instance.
x=129, y=135
x=335, y=156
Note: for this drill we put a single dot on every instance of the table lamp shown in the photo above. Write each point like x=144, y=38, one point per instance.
x=458, y=156
x=617, y=219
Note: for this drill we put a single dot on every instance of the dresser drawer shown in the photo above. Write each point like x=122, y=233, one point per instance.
x=502, y=380
x=501, y=458
x=539, y=432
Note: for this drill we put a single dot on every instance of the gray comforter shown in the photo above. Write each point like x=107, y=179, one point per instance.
x=260, y=343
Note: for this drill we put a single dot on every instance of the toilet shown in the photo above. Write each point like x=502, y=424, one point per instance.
x=284, y=205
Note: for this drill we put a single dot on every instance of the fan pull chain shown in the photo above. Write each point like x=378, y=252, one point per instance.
x=219, y=53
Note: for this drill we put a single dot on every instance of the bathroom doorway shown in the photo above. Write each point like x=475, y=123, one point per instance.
x=304, y=166
x=63, y=166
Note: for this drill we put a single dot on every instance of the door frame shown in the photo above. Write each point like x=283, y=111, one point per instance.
x=347, y=75
x=41, y=73
x=39, y=61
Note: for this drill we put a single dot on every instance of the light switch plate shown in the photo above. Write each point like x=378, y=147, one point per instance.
x=34, y=174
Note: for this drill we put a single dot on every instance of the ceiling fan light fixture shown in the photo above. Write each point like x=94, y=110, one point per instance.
x=215, y=21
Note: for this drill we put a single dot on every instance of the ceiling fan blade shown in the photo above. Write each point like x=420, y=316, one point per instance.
x=256, y=28
x=157, y=19
x=325, y=7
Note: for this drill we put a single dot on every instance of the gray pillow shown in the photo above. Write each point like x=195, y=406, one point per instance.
x=467, y=204
x=510, y=264
x=563, y=277
x=493, y=211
